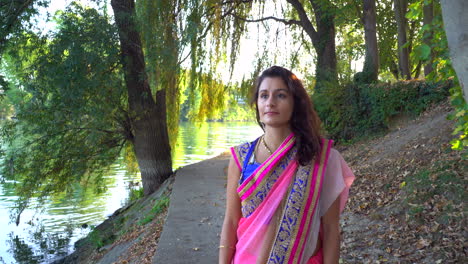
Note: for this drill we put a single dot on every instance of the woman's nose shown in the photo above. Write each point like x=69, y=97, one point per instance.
x=270, y=101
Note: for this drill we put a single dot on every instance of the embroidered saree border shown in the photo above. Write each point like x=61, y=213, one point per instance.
x=239, y=153
x=261, y=192
x=234, y=155
x=250, y=205
x=289, y=242
x=285, y=231
x=258, y=178
x=299, y=245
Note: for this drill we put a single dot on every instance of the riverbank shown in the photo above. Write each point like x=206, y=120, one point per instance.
x=129, y=235
x=406, y=205
x=133, y=234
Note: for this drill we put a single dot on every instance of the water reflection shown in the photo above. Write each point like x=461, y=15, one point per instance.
x=50, y=231
x=44, y=247
x=45, y=235
x=199, y=141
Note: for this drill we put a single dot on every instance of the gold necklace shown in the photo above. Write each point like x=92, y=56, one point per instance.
x=265, y=145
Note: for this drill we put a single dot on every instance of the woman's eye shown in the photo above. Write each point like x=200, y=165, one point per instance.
x=263, y=96
x=282, y=96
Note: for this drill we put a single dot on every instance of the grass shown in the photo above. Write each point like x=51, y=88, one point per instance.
x=439, y=190
x=135, y=194
x=101, y=237
x=96, y=239
x=160, y=205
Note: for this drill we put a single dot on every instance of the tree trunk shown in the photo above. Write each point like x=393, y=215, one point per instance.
x=402, y=24
x=371, y=63
x=454, y=13
x=394, y=69
x=151, y=142
x=323, y=40
x=428, y=11
x=326, y=71
x=417, y=70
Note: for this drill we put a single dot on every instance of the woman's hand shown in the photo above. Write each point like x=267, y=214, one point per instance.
x=331, y=233
x=233, y=214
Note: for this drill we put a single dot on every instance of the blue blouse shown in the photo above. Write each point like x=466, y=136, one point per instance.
x=249, y=166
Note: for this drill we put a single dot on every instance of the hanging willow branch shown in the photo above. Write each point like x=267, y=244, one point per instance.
x=284, y=21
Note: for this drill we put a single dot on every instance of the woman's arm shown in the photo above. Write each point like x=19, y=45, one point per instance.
x=233, y=214
x=331, y=233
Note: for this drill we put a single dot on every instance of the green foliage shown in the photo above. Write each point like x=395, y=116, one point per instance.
x=96, y=239
x=196, y=31
x=105, y=233
x=14, y=18
x=101, y=237
x=234, y=105
x=357, y=110
x=442, y=69
x=460, y=142
x=349, y=49
x=216, y=101
x=212, y=97
x=159, y=206
x=162, y=45
x=68, y=98
x=422, y=52
x=238, y=111
x=387, y=39
x=135, y=194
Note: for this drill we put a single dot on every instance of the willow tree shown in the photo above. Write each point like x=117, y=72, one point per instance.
x=196, y=34
x=153, y=36
x=316, y=18
x=148, y=115
x=80, y=102
x=157, y=22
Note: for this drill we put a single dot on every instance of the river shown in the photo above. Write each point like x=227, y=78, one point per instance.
x=46, y=233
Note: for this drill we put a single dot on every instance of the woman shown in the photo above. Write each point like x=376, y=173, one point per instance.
x=286, y=189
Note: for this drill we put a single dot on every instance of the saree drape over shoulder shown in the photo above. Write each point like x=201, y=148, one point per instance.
x=282, y=203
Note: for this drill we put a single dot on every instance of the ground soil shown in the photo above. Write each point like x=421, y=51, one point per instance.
x=379, y=225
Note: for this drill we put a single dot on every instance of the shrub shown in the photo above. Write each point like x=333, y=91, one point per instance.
x=357, y=110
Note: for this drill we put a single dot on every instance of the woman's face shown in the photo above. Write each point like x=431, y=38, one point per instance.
x=275, y=102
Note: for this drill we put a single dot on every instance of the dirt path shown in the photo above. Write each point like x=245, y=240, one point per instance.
x=378, y=227
x=196, y=213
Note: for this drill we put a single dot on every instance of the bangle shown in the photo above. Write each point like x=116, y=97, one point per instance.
x=223, y=246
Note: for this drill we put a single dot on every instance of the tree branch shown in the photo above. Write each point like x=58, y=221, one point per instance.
x=210, y=24
x=186, y=57
x=305, y=21
x=282, y=20
x=237, y=2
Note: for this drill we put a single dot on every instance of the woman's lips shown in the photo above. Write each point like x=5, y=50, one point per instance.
x=271, y=113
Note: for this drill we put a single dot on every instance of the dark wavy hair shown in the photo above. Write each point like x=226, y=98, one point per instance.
x=304, y=122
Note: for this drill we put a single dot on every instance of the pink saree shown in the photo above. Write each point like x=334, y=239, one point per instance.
x=280, y=206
